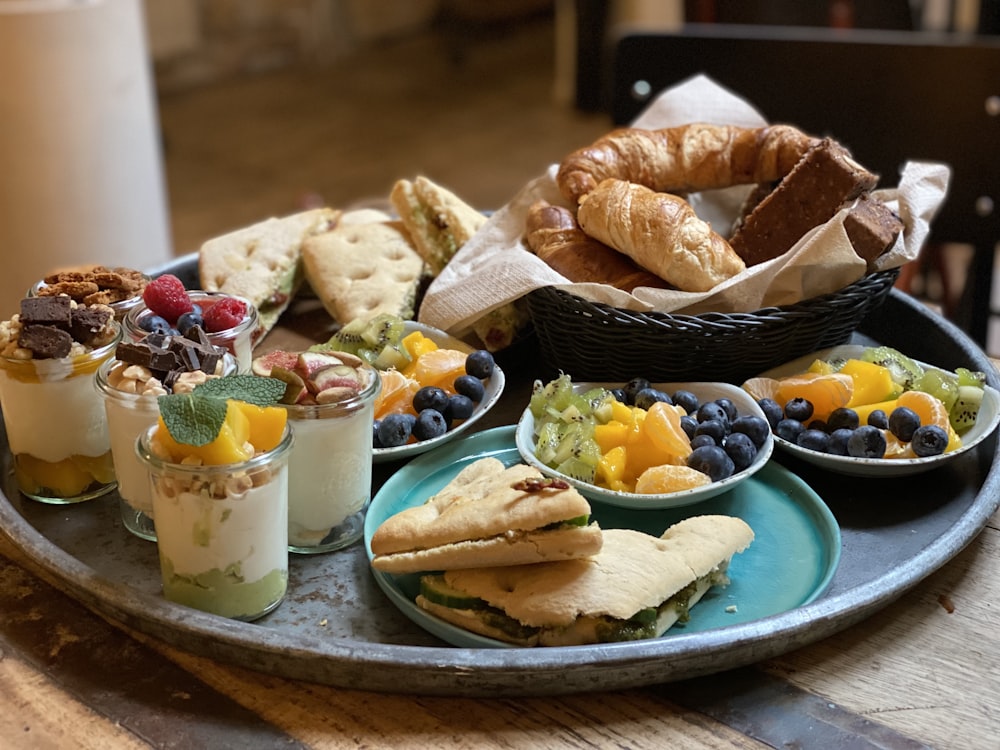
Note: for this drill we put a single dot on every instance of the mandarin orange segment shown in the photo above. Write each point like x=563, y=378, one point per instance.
x=397, y=394
x=663, y=426
x=439, y=367
x=931, y=411
x=825, y=392
x=659, y=480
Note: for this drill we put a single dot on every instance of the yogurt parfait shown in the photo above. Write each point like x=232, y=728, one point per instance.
x=167, y=307
x=56, y=427
x=218, y=471
x=330, y=403
x=130, y=384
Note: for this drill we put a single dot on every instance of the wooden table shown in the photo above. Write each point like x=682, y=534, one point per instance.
x=924, y=671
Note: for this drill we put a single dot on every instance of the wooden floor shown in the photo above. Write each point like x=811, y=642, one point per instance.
x=476, y=113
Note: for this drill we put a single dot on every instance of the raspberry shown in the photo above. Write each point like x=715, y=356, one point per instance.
x=228, y=312
x=166, y=296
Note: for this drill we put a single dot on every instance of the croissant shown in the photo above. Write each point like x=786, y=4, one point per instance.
x=686, y=158
x=553, y=235
x=660, y=232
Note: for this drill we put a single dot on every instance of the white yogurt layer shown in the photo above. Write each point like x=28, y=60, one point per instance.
x=55, y=419
x=330, y=473
x=128, y=417
x=198, y=534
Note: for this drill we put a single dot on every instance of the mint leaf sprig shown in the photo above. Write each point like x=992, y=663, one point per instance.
x=196, y=418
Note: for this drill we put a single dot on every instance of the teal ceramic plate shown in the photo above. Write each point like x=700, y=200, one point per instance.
x=790, y=563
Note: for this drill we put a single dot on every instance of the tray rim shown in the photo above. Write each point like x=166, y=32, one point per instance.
x=451, y=671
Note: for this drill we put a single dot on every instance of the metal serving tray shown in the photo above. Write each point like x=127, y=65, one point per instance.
x=336, y=627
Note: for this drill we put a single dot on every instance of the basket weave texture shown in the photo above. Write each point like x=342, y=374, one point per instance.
x=597, y=342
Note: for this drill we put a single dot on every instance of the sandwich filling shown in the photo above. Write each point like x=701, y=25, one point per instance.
x=650, y=622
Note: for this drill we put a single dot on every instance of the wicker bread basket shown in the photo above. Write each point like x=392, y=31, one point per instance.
x=593, y=341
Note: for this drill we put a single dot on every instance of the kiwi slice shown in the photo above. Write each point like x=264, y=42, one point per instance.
x=965, y=409
x=940, y=384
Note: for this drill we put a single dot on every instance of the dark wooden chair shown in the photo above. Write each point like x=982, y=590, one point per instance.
x=890, y=96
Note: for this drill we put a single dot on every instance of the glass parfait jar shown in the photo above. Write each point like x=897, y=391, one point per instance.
x=238, y=340
x=57, y=430
x=129, y=414
x=222, y=530
x=331, y=469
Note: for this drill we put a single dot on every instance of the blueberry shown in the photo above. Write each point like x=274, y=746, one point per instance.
x=686, y=400
x=838, y=441
x=799, y=408
x=929, y=440
x=712, y=460
x=842, y=418
x=714, y=428
x=814, y=440
x=430, y=424
x=479, y=364
x=789, y=429
x=430, y=397
x=711, y=410
x=471, y=386
x=729, y=407
x=817, y=424
x=376, y=443
x=903, y=422
x=395, y=429
x=772, y=411
x=878, y=418
x=154, y=324
x=866, y=442
x=756, y=428
x=741, y=449
x=460, y=407
x=632, y=387
x=699, y=440
x=649, y=396
x=619, y=394
x=688, y=424
x=189, y=320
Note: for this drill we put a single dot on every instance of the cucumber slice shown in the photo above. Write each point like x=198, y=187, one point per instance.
x=435, y=589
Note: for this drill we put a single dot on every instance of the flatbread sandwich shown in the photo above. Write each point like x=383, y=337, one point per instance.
x=364, y=266
x=262, y=263
x=488, y=515
x=636, y=587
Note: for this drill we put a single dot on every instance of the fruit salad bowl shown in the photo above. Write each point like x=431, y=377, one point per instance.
x=492, y=389
x=986, y=421
x=527, y=445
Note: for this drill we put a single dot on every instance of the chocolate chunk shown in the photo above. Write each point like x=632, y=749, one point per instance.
x=87, y=322
x=144, y=355
x=195, y=355
x=197, y=334
x=46, y=311
x=46, y=342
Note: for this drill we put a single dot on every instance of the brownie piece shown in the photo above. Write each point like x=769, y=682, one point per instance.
x=823, y=180
x=47, y=311
x=86, y=322
x=872, y=227
x=45, y=342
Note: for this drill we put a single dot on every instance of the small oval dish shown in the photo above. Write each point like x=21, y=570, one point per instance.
x=524, y=437
x=493, y=388
x=986, y=423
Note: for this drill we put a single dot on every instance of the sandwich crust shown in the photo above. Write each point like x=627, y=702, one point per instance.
x=482, y=515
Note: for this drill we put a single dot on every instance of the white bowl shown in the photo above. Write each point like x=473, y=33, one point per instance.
x=745, y=404
x=494, y=387
x=986, y=422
